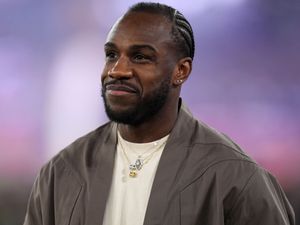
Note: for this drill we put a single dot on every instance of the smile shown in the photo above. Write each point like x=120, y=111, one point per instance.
x=119, y=89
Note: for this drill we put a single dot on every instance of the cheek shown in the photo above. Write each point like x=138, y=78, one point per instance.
x=152, y=83
x=104, y=74
x=158, y=73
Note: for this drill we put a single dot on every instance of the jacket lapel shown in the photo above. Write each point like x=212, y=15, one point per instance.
x=169, y=171
x=101, y=178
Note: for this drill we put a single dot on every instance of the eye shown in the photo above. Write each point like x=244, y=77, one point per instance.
x=141, y=58
x=110, y=55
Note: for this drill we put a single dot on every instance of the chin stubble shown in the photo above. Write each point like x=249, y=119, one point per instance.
x=145, y=108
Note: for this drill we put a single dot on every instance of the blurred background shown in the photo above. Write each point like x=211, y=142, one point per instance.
x=245, y=82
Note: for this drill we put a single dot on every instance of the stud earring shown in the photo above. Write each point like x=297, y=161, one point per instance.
x=178, y=81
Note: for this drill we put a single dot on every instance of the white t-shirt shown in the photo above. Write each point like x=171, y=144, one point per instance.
x=128, y=197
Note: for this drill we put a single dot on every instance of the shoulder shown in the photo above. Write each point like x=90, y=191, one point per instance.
x=217, y=168
x=215, y=146
x=204, y=139
x=211, y=154
x=79, y=156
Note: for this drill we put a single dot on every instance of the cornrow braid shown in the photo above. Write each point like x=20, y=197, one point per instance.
x=185, y=29
x=182, y=32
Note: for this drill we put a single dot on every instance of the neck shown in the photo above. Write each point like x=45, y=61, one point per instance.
x=157, y=127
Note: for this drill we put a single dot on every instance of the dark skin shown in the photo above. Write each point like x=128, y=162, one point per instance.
x=139, y=51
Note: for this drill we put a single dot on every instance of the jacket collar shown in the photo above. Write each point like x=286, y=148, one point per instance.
x=167, y=173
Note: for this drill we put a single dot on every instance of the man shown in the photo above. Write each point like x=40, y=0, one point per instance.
x=153, y=163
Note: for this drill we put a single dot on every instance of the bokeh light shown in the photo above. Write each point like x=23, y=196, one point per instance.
x=245, y=82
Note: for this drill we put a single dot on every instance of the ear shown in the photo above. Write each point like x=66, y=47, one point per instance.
x=182, y=71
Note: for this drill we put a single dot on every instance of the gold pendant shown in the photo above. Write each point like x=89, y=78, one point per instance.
x=132, y=173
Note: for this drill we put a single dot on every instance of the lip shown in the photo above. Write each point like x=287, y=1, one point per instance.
x=119, y=89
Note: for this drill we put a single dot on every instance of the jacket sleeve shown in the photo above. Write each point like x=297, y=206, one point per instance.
x=33, y=213
x=262, y=202
x=39, y=208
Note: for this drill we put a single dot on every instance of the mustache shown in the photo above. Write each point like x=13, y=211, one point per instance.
x=120, y=84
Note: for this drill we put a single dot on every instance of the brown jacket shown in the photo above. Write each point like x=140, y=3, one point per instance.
x=202, y=178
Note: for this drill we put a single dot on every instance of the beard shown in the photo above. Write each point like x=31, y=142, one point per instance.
x=145, y=108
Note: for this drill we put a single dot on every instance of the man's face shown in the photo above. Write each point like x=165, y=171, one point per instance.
x=136, y=79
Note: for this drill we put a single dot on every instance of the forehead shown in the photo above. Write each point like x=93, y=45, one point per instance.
x=141, y=28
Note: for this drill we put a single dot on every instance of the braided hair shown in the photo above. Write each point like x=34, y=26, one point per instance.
x=181, y=33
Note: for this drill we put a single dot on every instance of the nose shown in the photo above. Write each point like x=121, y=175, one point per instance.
x=120, y=69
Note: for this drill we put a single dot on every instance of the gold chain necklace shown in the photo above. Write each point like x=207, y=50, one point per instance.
x=139, y=162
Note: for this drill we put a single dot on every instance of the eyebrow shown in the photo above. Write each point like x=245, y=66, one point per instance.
x=139, y=47
x=133, y=47
x=110, y=45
